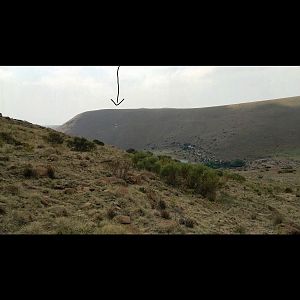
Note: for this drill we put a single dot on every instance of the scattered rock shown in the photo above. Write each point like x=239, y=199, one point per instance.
x=167, y=226
x=53, y=157
x=123, y=219
x=134, y=179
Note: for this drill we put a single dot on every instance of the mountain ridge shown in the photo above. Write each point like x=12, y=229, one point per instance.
x=238, y=131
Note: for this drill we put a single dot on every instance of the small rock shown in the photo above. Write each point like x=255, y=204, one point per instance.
x=45, y=202
x=87, y=205
x=123, y=219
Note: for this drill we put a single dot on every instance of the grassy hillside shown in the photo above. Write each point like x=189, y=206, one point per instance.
x=251, y=130
x=48, y=186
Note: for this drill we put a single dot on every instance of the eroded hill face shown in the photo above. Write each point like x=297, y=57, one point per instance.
x=46, y=187
x=245, y=131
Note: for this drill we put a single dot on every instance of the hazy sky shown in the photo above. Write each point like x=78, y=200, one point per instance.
x=53, y=95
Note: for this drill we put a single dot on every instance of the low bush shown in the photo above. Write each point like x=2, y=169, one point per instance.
x=29, y=172
x=50, y=172
x=81, y=144
x=97, y=142
x=111, y=213
x=162, y=204
x=55, y=138
x=170, y=173
x=288, y=190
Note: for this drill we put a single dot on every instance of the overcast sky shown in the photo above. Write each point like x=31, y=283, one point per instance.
x=53, y=95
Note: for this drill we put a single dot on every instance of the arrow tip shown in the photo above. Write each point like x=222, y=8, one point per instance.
x=116, y=104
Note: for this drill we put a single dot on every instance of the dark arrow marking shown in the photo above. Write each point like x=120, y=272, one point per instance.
x=117, y=104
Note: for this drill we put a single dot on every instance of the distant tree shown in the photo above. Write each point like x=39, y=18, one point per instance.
x=131, y=150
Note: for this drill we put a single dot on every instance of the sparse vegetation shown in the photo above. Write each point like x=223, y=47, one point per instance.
x=235, y=176
x=8, y=138
x=46, y=188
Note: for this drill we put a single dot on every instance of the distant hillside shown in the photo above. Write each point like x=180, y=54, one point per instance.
x=250, y=130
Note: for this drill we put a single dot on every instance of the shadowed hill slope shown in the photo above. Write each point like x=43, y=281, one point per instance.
x=249, y=130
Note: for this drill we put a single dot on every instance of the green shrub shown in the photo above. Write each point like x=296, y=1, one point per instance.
x=139, y=156
x=185, y=170
x=81, y=144
x=170, y=172
x=201, y=179
x=97, y=142
x=208, y=184
x=55, y=138
x=194, y=176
